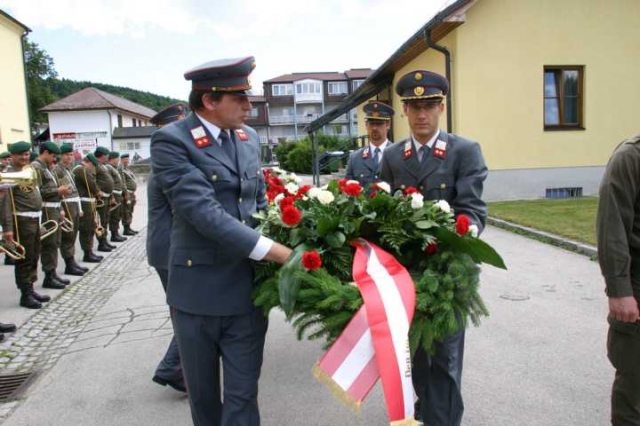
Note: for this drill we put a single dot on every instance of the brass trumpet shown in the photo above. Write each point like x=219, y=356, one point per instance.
x=99, y=228
x=66, y=225
x=99, y=203
x=25, y=179
x=48, y=228
x=14, y=250
x=115, y=206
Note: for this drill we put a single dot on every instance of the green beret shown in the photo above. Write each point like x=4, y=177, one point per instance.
x=100, y=151
x=33, y=156
x=113, y=154
x=19, y=147
x=49, y=146
x=66, y=148
x=125, y=155
x=5, y=154
x=92, y=158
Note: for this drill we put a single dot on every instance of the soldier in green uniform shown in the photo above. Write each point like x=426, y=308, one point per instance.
x=5, y=160
x=85, y=180
x=118, y=186
x=51, y=194
x=20, y=220
x=130, y=185
x=618, y=228
x=72, y=208
x=105, y=185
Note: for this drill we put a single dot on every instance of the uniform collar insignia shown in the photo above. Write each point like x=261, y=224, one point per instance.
x=242, y=135
x=365, y=153
x=407, y=149
x=440, y=148
x=200, y=137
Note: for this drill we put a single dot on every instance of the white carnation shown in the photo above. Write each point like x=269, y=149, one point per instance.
x=417, y=201
x=444, y=206
x=313, y=192
x=292, y=177
x=352, y=181
x=291, y=188
x=473, y=230
x=326, y=197
x=384, y=186
x=277, y=170
x=278, y=198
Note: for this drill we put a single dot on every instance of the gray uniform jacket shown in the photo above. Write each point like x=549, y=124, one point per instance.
x=362, y=166
x=456, y=175
x=213, y=201
x=159, y=225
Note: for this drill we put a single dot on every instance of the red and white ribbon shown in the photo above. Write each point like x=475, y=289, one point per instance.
x=375, y=343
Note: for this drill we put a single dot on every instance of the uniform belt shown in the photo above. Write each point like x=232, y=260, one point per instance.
x=117, y=192
x=34, y=215
x=51, y=205
x=105, y=195
x=72, y=200
x=88, y=200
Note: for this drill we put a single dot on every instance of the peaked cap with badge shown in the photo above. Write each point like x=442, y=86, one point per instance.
x=19, y=147
x=50, y=147
x=66, y=148
x=422, y=85
x=223, y=75
x=170, y=114
x=376, y=110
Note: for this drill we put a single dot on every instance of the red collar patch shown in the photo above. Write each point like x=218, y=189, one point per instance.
x=200, y=137
x=408, y=152
x=366, y=153
x=440, y=149
x=242, y=135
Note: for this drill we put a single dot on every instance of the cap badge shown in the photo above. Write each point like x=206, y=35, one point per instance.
x=375, y=114
x=200, y=137
x=407, y=150
x=418, y=76
x=375, y=106
x=418, y=91
x=242, y=135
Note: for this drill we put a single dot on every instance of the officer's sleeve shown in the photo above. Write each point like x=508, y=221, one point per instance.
x=350, y=174
x=469, y=185
x=614, y=223
x=193, y=198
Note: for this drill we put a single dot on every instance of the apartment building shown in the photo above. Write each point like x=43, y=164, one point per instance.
x=295, y=100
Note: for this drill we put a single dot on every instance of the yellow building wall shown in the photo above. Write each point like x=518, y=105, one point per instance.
x=499, y=55
x=14, y=115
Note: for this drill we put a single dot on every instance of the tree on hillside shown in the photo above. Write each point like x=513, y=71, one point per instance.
x=40, y=70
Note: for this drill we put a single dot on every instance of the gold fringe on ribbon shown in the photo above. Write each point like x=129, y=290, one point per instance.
x=336, y=390
x=405, y=422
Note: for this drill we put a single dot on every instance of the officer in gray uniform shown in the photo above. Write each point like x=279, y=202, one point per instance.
x=442, y=166
x=169, y=371
x=618, y=226
x=208, y=166
x=364, y=164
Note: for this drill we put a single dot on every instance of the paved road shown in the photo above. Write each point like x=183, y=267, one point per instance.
x=538, y=360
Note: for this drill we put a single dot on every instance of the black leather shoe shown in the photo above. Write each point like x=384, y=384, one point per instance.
x=42, y=298
x=72, y=270
x=7, y=328
x=28, y=301
x=90, y=257
x=59, y=278
x=129, y=231
x=177, y=385
x=102, y=246
x=78, y=266
x=51, y=282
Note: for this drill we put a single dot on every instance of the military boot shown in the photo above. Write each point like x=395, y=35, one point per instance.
x=102, y=245
x=59, y=278
x=129, y=231
x=78, y=266
x=42, y=298
x=90, y=257
x=70, y=268
x=117, y=238
x=51, y=282
x=27, y=300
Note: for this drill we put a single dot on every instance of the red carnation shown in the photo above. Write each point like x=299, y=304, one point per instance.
x=342, y=183
x=462, y=224
x=311, y=260
x=291, y=216
x=432, y=247
x=353, y=189
x=302, y=191
x=410, y=190
x=286, y=201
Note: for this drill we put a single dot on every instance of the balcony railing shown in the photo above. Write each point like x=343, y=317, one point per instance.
x=291, y=119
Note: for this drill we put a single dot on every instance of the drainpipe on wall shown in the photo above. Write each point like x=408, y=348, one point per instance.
x=23, y=38
x=447, y=59
x=110, y=130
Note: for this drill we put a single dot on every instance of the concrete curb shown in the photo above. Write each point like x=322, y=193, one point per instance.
x=580, y=248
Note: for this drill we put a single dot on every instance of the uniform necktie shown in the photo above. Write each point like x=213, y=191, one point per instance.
x=376, y=157
x=424, y=152
x=228, y=146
